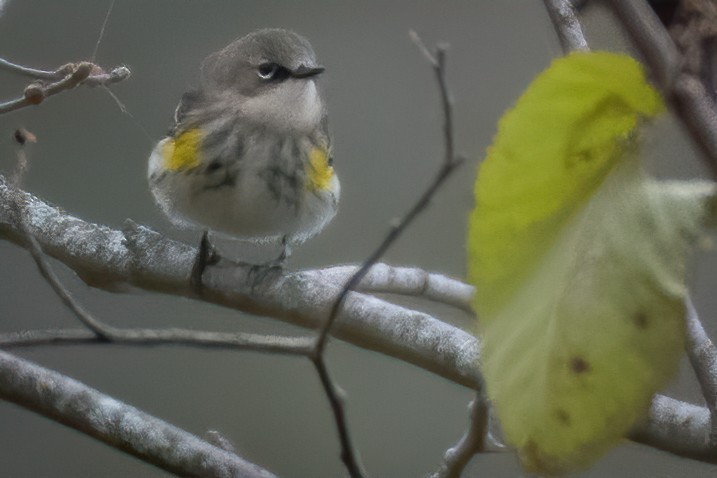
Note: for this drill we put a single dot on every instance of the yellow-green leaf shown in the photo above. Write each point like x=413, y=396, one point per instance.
x=578, y=261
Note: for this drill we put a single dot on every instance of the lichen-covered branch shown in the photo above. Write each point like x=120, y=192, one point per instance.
x=679, y=428
x=703, y=357
x=382, y=278
x=566, y=24
x=119, y=425
x=140, y=257
x=143, y=258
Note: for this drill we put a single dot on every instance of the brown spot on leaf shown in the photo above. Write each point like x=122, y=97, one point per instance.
x=562, y=416
x=640, y=320
x=579, y=365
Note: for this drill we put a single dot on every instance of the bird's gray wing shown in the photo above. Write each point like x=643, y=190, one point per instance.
x=326, y=137
x=188, y=102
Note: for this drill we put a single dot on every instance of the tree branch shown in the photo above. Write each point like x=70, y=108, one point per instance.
x=140, y=257
x=686, y=93
x=703, y=357
x=566, y=24
x=143, y=258
x=411, y=281
x=67, y=77
x=679, y=428
x=119, y=425
x=276, y=344
x=450, y=162
x=472, y=442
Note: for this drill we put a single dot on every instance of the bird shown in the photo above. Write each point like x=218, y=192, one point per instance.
x=249, y=154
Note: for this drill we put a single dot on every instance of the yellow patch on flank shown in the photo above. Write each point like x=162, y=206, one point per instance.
x=319, y=170
x=182, y=153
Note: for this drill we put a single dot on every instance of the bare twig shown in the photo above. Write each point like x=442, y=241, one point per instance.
x=337, y=399
x=473, y=441
x=119, y=425
x=411, y=281
x=102, y=331
x=703, y=357
x=66, y=77
x=335, y=396
x=33, y=72
x=301, y=346
x=449, y=164
x=102, y=31
x=686, y=93
x=566, y=24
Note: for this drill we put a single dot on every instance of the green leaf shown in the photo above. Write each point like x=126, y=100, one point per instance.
x=578, y=258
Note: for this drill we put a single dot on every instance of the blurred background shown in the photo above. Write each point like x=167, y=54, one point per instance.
x=90, y=159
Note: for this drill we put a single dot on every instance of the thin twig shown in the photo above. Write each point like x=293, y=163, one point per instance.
x=703, y=357
x=472, y=442
x=686, y=93
x=337, y=398
x=64, y=78
x=34, y=72
x=301, y=346
x=449, y=165
x=102, y=331
x=450, y=162
x=102, y=31
x=566, y=24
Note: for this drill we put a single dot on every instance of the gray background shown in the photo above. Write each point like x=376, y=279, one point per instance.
x=91, y=160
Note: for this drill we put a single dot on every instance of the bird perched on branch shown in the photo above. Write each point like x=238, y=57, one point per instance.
x=249, y=154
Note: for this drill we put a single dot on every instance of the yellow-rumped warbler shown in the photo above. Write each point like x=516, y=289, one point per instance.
x=249, y=155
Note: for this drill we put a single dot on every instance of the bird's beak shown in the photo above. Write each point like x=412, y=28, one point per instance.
x=304, y=71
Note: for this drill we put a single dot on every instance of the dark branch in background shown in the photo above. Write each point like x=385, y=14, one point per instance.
x=66, y=77
x=684, y=91
x=450, y=162
x=117, y=424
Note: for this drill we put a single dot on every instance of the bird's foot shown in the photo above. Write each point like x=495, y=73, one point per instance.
x=206, y=256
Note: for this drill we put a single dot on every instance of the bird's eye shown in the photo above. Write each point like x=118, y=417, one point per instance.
x=272, y=71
